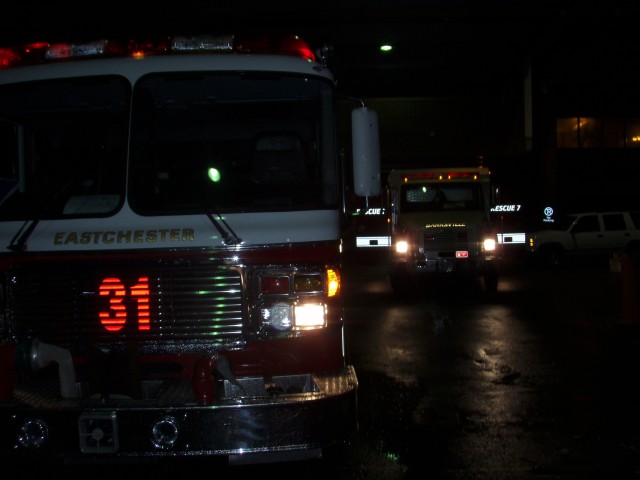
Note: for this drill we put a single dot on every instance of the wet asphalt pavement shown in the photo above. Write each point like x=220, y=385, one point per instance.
x=538, y=381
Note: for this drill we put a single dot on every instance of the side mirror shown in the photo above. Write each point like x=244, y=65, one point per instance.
x=366, y=152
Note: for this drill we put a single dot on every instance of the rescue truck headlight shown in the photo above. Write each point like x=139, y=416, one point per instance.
x=489, y=244
x=402, y=246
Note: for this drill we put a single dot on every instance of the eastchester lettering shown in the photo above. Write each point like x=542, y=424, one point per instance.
x=125, y=236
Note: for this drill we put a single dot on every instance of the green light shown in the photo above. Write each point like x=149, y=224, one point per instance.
x=386, y=48
x=394, y=457
x=214, y=174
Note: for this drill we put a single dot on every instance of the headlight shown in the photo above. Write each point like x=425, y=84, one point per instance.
x=402, y=246
x=310, y=316
x=489, y=244
x=278, y=316
x=289, y=300
x=283, y=316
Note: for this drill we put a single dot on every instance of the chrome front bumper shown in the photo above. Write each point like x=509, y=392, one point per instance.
x=256, y=419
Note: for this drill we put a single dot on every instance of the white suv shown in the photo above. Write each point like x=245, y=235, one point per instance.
x=588, y=234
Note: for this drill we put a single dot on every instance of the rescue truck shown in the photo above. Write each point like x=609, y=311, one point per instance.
x=171, y=216
x=441, y=226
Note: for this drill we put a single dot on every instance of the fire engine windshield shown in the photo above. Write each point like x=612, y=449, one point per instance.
x=197, y=143
x=429, y=197
x=63, y=147
x=231, y=142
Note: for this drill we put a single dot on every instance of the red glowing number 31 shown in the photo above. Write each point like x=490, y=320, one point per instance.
x=114, y=319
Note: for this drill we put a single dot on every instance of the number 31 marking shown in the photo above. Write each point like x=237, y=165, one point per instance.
x=114, y=319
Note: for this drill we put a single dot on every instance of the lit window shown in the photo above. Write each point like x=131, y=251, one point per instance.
x=567, y=132
x=633, y=133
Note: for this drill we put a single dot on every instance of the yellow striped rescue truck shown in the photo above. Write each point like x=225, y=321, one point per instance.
x=441, y=226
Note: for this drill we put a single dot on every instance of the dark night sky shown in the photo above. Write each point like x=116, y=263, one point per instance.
x=449, y=45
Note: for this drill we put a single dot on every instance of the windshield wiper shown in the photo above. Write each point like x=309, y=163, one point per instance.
x=229, y=236
x=19, y=240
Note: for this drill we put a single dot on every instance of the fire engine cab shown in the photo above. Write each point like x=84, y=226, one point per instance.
x=171, y=251
x=440, y=224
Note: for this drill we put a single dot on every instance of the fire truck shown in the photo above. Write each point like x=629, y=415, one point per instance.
x=441, y=226
x=170, y=217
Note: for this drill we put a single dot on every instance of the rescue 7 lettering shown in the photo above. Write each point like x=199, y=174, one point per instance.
x=124, y=236
x=506, y=208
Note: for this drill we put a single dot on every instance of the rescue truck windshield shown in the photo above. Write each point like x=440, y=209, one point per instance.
x=429, y=197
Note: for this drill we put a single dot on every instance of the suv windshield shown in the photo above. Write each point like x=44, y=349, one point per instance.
x=564, y=223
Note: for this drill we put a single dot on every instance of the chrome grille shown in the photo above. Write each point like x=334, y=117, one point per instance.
x=193, y=308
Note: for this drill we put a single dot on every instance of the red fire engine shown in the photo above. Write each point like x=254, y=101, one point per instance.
x=170, y=219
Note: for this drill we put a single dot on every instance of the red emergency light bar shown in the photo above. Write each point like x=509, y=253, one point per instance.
x=439, y=176
x=43, y=52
